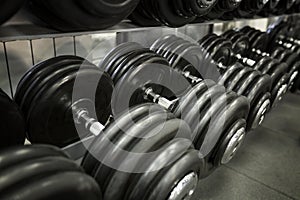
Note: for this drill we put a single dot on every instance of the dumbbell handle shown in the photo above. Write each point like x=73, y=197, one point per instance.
x=245, y=60
x=289, y=39
x=92, y=125
x=193, y=79
x=156, y=98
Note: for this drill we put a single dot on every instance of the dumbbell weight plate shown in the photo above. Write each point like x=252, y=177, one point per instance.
x=124, y=66
x=228, y=73
x=259, y=41
x=188, y=99
x=280, y=89
x=187, y=166
x=201, y=114
x=114, y=54
x=260, y=64
x=177, y=51
x=13, y=156
x=258, y=94
x=43, y=172
x=143, y=15
x=40, y=75
x=233, y=109
x=238, y=77
x=122, y=123
x=182, y=9
x=8, y=9
x=125, y=142
x=229, y=146
x=12, y=122
x=149, y=181
x=221, y=51
x=120, y=179
x=138, y=18
x=168, y=16
x=45, y=14
x=106, y=7
x=63, y=185
x=32, y=170
x=35, y=71
x=202, y=7
x=64, y=131
x=79, y=17
x=276, y=52
x=240, y=42
x=234, y=115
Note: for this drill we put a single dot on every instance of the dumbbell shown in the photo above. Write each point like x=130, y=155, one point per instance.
x=8, y=9
x=257, y=50
x=76, y=16
x=47, y=88
x=71, y=93
x=283, y=6
x=248, y=8
x=222, y=7
x=269, y=7
x=12, y=123
x=141, y=76
x=42, y=172
x=267, y=65
x=195, y=63
x=170, y=13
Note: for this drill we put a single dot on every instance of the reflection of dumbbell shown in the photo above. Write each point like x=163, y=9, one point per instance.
x=12, y=124
x=216, y=117
x=170, y=13
x=267, y=65
x=60, y=94
x=191, y=60
x=258, y=41
x=43, y=173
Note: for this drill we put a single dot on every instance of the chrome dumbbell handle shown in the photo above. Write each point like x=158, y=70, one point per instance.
x=192, y=78
x=245, y=60
x=81, y=116
x=156, y=98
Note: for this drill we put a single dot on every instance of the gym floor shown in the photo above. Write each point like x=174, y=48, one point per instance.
x=268, y=165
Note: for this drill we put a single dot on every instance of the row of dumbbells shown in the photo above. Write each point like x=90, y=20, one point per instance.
x=159, y=121
x=94, y=15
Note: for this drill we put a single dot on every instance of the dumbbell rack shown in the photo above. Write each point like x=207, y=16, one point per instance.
x=25, y=45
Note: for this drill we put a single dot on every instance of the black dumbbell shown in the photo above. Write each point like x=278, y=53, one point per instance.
x=41, y=172
x=76, y=15
x=269, y=7
x=170, y=13
x=249, y=8
x=132, y=68
x=222, y=7
x=12, y=123
x=283, y=6
x=259, y=41
x=8, y=9
x=267, y=65
x=195, y=63
x=43, y=91
x=67, y=94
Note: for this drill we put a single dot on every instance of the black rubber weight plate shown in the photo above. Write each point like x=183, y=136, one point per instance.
x=9, y=8
x=12, y=124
